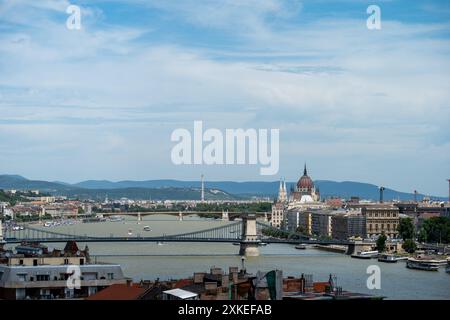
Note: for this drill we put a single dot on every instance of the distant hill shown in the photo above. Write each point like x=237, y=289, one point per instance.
x=169, y=193
x=345, y=189
x=189, y=190
x=21, y=183
x=164, y=192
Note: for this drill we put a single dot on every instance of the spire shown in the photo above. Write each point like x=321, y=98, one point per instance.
x=305, y=172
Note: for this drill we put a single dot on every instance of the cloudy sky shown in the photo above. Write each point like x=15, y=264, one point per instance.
x=101, y=102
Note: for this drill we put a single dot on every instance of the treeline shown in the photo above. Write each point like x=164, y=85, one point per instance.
x=12, y=199
x=435, y=229
x=235, y=207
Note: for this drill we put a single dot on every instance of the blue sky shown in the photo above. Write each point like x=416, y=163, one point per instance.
x=101, y=102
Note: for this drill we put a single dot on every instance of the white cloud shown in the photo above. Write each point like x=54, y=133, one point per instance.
x=349, y=94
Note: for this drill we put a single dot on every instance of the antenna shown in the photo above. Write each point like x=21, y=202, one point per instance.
x=448, y=190
x=203, y=189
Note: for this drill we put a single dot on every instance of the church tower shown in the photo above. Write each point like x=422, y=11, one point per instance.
x=282, y=193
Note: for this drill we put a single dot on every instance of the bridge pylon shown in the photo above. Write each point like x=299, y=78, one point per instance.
x=249, y=245
x=225, y=216
x=139, y=217
x=180, y=216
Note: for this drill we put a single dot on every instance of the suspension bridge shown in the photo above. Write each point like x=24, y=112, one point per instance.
x=248, y=233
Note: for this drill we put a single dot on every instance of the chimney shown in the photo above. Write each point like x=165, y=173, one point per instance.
x=129, y=282
x=381, y=194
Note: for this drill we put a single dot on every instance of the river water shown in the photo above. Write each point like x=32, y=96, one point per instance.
x=178, y=260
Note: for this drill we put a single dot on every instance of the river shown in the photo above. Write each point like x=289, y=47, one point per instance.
x=178, y=260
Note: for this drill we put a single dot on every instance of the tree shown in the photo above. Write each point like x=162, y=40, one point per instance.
x=381, y=243
x=409, y=246
x=300, y=229
x=422, y=237
x=437, y=229
x=406, y=228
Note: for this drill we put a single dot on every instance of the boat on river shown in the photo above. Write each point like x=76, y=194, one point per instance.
x=365, y=255
x=300, y=247
x=422, y=264
x=147, y=228
x=116, y=219
x=389, y=258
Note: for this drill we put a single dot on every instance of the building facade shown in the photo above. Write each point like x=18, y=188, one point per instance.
x=381, y=219
x=321, y=223
x=348, y=224
x=278, y=215
x=33, y=272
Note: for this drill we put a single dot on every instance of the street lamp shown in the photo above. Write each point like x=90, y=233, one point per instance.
x=243, y=264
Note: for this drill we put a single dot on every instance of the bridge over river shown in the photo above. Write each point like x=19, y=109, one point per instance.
x=248, y=233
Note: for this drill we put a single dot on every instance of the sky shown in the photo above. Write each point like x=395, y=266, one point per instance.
x=101, y=102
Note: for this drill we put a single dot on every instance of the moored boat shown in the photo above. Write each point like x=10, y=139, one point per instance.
x=300, y=247
x=116, y=219
x=388, y=258
x=365, y=255
x=147, y=228
x=422, y=264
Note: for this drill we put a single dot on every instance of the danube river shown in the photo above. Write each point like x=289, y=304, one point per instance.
x=178, y=260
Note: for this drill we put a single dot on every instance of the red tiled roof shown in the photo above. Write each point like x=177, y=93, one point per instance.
x=183, y=282
x=119, y=292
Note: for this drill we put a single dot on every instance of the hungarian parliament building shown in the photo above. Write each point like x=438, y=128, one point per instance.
x=301, y=210
x=304, y=195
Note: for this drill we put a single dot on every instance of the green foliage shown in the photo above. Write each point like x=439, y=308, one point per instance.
x=275, y=233
x=406, y=228
x=235, y=207
x=12, y=199
x=422, y=237
x=381, y=243
x=437, y=229
x=409, y=246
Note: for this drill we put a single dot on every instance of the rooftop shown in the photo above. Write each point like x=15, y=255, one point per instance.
x=119, y=292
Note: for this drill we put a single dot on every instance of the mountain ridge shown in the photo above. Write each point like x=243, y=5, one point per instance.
x=234, y=189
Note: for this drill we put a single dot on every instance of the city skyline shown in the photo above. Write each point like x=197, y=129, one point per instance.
x=101, y=102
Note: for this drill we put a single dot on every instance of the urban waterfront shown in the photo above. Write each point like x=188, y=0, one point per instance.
x=177, y=260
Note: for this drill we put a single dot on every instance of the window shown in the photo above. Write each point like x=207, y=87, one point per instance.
x=21, y=262
x=66, y=261
x=22, y=277
x=81, y=262
x=110, y=276
x=43, y=277
x=35, y=262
